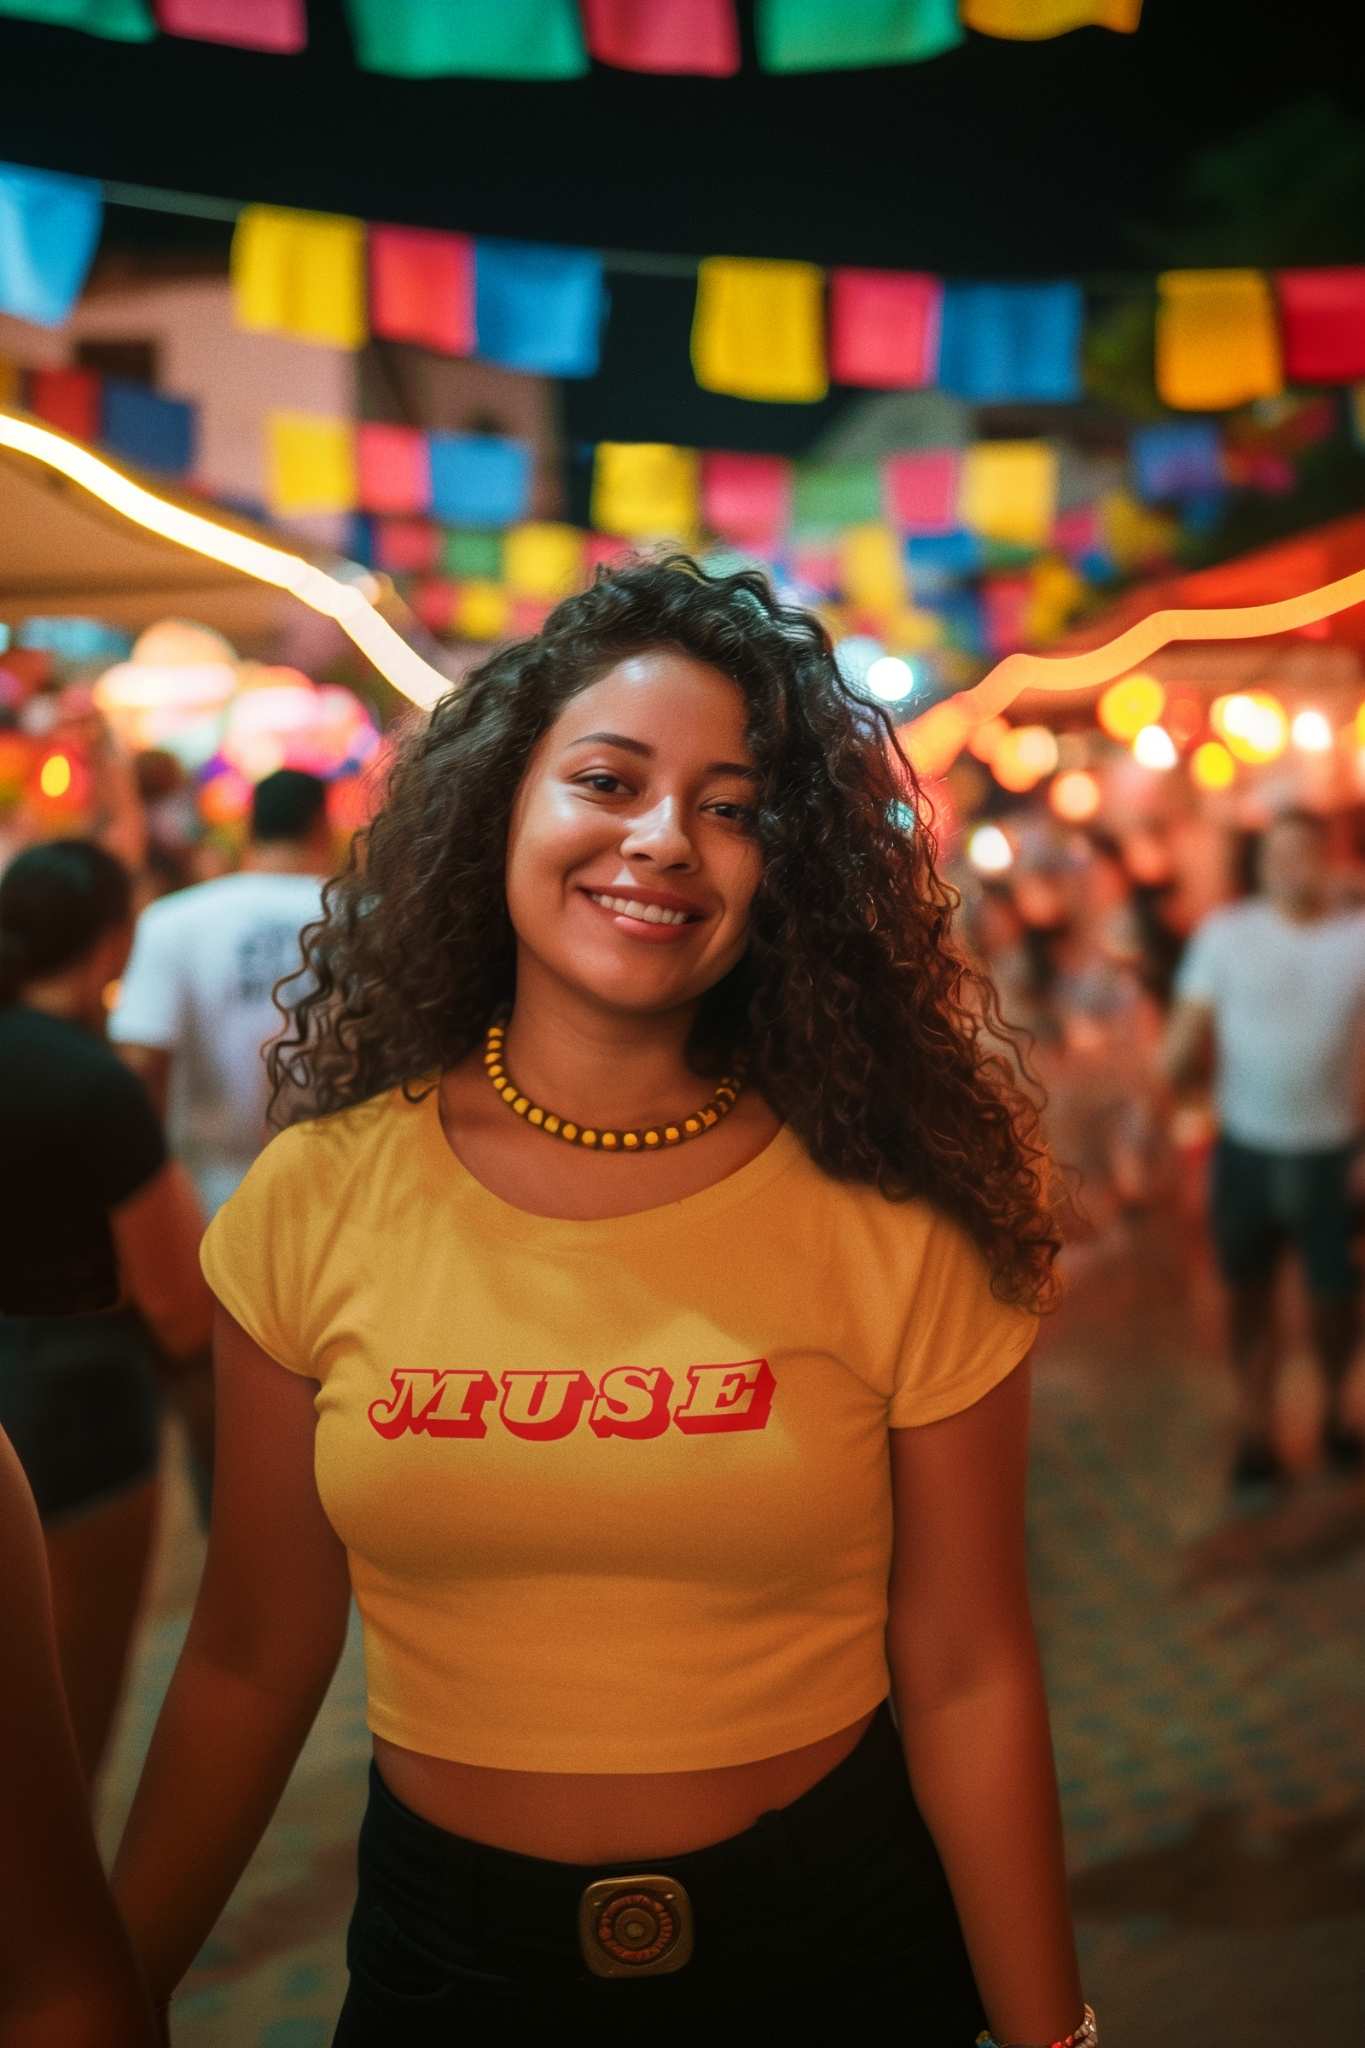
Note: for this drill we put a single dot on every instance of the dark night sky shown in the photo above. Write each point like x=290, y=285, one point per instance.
x=1068, y=157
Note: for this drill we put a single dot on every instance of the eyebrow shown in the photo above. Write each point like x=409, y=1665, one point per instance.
x=619, y=739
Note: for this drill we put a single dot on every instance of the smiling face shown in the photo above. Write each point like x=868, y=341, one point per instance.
x=631, y=858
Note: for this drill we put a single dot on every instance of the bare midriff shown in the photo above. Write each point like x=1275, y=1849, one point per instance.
x=592, y=1817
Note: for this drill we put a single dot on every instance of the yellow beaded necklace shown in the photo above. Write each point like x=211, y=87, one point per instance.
x=655, y=1139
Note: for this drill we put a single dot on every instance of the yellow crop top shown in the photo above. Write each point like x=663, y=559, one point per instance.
x=616, y=1494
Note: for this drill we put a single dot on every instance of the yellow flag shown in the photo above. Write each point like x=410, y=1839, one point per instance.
x=1027, y=21
x=758, y=329
x=312, y=463
x=301, y=274
x=871, y=568
x=482, y=610
x=645, y=490
x=1217, y=343
x=542, y=560
x=1009, y=491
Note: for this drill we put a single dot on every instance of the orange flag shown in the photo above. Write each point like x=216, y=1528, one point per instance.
x=1033, y=21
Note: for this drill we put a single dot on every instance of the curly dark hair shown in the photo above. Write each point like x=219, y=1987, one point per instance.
x=865, y=1028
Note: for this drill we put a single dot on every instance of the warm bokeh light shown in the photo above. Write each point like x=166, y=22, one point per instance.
x=1129, y=704
x=1075, y=796
x=1154, y=748
x=54, y=777
x=989, y=851
x=1252, y=724
x=890, y=678
x=1212, y=766
x=1184, y=717
x=1311, y=732
x=1023, y=757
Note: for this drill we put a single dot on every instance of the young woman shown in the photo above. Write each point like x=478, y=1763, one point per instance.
x=99, y=1237
x=639, y=1330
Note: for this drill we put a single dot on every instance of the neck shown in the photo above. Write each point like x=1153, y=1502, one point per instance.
x=1302, y=909
x=599, y=1066
x=281, y=857
x=64, y=995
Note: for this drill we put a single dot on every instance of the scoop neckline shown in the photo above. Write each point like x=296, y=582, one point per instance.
x=452, y=1179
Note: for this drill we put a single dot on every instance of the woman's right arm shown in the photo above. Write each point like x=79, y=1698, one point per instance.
x=266, y=1633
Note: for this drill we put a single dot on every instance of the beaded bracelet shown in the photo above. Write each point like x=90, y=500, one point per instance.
x=1087, y=2035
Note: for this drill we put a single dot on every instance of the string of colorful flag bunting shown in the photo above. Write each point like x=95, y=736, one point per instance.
x=764, y=330
x=558, y=39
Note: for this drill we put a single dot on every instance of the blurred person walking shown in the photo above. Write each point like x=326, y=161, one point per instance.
x=195, y=1005
x=98, y=1241
x=67, y=1974
x=1272, y=992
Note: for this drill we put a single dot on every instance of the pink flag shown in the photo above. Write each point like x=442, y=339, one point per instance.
x=1322, y=324
x=921, y=490
x=746, y=497
x=422, y=288
x=884, y=328
x=395, y=470
x=697, y=36
x=280, y=26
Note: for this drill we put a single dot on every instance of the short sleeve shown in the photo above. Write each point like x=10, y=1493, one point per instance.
x=121, y=1136
x=148, y=1011
x=960, y=1339
x=1196, y=978
x=253, y=1252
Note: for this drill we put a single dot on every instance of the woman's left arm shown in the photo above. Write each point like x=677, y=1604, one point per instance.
x=969, y=1698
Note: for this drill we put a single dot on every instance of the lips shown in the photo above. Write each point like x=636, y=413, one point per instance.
x=646, y=913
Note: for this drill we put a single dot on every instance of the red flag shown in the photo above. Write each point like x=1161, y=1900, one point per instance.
x=422, y=288
x=884, y=328
x=395, y=471
x=68, y=400
x=1322, y=320
x=280, y=26
x=921, y=490
x=696, y=36
x=406, y=547
x=746, y=498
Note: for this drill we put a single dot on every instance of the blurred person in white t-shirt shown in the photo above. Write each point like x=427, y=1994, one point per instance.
x=195, y=1007
x=1272, y=991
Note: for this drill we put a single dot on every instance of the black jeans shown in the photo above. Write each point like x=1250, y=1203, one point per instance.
x=829, y=1910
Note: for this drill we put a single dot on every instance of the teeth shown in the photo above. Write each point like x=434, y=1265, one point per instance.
x=644, y=913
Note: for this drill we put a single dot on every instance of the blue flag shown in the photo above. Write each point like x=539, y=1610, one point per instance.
x=538, y=308
x=1001, y=343
x=1178, y=459
x=49, y=226
x=479, y=479
x=144, y=427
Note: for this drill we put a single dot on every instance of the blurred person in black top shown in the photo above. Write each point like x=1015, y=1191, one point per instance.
x=99, y=1276
x=67, y=1974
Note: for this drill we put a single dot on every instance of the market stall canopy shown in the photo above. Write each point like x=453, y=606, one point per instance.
x=62, y=551
x=1322, y=656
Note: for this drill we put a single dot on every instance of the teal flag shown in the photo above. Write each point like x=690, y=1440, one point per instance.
x=469, y=38
x=121, y=21
x=842, y=35
x=831, y=495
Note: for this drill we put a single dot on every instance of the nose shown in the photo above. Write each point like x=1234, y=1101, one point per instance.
x=660, y=836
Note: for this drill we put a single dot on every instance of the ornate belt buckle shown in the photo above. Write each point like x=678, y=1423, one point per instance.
x=635, y=1926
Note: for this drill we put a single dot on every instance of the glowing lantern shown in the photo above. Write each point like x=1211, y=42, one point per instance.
x=1075, y=796
x=989, y=852
x=1311, y=733
x=1154, y=748
x=1023, y=757
x=1252, y=725
x=1130, y=704
x=1212, y=766
x=54, y=777
x=284, y=721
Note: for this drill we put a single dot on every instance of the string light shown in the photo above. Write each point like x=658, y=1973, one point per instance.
x=54, y=777
x=1252, y=725
x=1130, y=704
x=1311, y=733
x=347, y=603
x=1075, y=796
x=1212, y=766
x=1023, y=757
x=989, y=851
